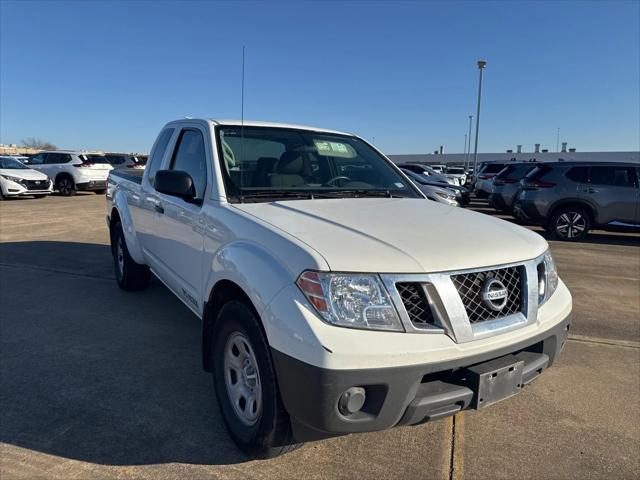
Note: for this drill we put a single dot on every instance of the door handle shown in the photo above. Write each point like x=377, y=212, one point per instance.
x=159, y=208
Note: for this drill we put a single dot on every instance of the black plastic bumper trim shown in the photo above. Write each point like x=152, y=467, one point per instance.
x=395, y=395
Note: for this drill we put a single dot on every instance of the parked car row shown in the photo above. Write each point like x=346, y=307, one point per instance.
x=568, y=198
x=65, y=171
x=72, y=171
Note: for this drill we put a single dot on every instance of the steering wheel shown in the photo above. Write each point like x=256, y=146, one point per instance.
x=335, y=179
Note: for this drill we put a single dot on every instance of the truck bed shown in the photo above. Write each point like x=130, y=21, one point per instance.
x=131, y=175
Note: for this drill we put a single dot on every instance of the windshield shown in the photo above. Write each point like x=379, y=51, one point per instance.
x=266, y=162
x=455, y=170
x=11, y=164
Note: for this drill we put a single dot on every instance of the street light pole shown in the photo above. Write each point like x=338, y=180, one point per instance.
x=468, y=152
x=481, y=65
x=464, y=152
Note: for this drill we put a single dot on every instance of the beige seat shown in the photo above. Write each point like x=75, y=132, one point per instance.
x=288, y=171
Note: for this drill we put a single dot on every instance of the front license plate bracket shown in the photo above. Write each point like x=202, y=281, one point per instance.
x=495, y=380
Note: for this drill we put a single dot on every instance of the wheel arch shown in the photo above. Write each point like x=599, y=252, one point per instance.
x=572, y=202
x=63, y=175
x=120, y=212
x=247, y=270
x=222, y=292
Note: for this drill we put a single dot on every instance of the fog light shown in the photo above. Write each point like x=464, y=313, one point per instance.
x=351, y=400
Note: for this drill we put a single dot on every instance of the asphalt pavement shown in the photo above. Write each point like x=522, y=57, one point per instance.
x=99, y=383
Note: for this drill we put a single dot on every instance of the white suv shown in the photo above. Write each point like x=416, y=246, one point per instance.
x=72, y=171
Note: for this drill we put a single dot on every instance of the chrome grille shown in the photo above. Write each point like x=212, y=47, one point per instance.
x=469, y=286
x=416, y=303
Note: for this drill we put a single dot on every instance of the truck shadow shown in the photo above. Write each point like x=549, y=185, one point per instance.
x=92, y=373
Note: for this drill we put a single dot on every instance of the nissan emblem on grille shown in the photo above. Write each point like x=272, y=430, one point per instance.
x=484, y=299
x=494, y=294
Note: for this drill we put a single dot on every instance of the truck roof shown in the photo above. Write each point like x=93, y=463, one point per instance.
x=253, y=123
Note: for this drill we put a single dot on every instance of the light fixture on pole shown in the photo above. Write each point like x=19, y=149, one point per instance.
x=481, y=65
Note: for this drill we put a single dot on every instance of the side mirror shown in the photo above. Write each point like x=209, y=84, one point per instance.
x=176, y=183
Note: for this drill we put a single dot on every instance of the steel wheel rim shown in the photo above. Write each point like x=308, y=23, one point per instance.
x=571, y=224
x=242, y=378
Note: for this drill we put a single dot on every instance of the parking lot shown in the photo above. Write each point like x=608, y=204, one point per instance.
x=101, y=383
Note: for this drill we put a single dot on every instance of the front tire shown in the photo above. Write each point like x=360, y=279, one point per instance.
x=569, y=223
x=131, y=276
x=101, y=191
x=66, y=186
x=246, y=386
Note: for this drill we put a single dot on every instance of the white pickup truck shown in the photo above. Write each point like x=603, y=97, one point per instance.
x=334, y=297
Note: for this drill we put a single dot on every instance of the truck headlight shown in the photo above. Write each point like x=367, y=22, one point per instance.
x=355, y=300
x=547, y=277
x=13, y=179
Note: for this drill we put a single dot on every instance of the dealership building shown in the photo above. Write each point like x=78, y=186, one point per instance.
x=537, y=155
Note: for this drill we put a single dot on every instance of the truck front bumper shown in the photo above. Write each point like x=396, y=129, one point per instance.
x=402, y=395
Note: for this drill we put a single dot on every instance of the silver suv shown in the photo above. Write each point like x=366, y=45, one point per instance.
x=569, y=198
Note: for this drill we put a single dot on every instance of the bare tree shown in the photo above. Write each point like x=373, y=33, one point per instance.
x=38, y=144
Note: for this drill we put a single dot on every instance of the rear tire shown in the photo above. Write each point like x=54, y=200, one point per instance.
x=246, y=386
x=569, y=223
x=66, y=186
x=131, y=276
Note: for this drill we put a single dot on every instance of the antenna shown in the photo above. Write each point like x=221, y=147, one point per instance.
x=242, y=129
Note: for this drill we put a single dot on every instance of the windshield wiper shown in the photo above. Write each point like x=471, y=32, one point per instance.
x=310, y=195
x=362, y=192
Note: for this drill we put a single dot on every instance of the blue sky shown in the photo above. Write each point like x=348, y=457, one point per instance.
x=108, y=75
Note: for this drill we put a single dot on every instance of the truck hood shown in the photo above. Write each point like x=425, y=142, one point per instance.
x=389, y=235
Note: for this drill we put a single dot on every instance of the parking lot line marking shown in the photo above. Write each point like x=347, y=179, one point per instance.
x=604, y=341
